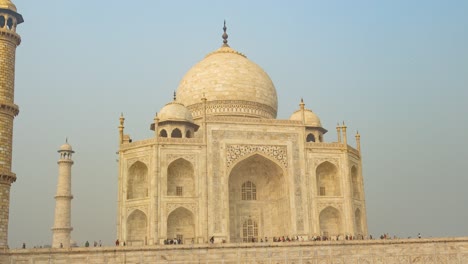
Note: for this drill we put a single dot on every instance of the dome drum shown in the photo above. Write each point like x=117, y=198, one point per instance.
x=171, y=123
x=233, y=108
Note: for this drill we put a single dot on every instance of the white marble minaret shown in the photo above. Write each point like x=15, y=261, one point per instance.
x=62, y=220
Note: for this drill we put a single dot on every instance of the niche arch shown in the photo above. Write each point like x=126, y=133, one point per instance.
x=328, y=180
x=137, y=181
x=137, y=226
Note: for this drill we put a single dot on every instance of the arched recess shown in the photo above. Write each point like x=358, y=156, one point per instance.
x=163, y=133
x=330, y=222
x=310, y=138
x=181, y=224
x=358, y=222
x=355, y=183
x=180, y=178
x=328, y=181
x=10, y=23
x=176, y=133
x=137, y=226
x=137, y=181
x=270, y=208
x=188, y=134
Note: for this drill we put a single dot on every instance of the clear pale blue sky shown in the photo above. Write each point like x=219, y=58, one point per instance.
x=395, y=70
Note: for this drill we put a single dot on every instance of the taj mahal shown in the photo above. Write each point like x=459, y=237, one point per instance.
x=219, y=172
x=220, y=165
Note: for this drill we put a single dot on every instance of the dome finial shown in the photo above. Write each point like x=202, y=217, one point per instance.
x=225, y=35
x=301, y=105
x=175, y=96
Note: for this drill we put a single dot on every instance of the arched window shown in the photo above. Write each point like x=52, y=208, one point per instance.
x=163, y=133
x=188, y=134
x=249, y=191
x=2, y=21
x=249, y=231
x=176, y=133
x=10, y=23
x=310, y=138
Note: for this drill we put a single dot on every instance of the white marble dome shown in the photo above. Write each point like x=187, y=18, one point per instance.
x=7, y=4
x=66, y=147
x=232, y=85
x=175, y=111
x=310, y=118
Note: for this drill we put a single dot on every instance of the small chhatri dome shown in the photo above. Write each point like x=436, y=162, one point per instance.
x=8, y=7
x=232, y=84
x=175, y=111
x=7, y=4
x=310, y=118
x=66, y=147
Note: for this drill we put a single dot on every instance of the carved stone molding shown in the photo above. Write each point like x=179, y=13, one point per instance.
x=336, y=205
x=235, y=152
x=7, y=177
x=16, y=39
x=144, y=160
x=318, y=161
x=9, y=109
x=143, y=208
x=189, y=157
x=240, y=119
x=232, y=107
x=170, y=207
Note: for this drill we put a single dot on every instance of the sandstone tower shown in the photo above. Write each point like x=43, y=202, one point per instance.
x=9, y=40
x=62, y=220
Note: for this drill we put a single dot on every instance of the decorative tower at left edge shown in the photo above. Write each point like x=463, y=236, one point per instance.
x=9, y=40
x=61, y=232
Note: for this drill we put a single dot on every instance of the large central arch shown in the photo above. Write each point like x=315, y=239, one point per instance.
x=258, y=194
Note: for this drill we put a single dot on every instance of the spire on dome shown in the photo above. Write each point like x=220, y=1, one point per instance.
x=302, y=105
x=225, y=35
x=175, y=95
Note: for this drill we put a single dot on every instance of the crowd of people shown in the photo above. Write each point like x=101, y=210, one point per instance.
x=178, y=241
x=301, y=239
x=174, y=241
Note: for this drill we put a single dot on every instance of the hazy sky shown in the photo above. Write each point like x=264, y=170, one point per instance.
x=397, y=71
